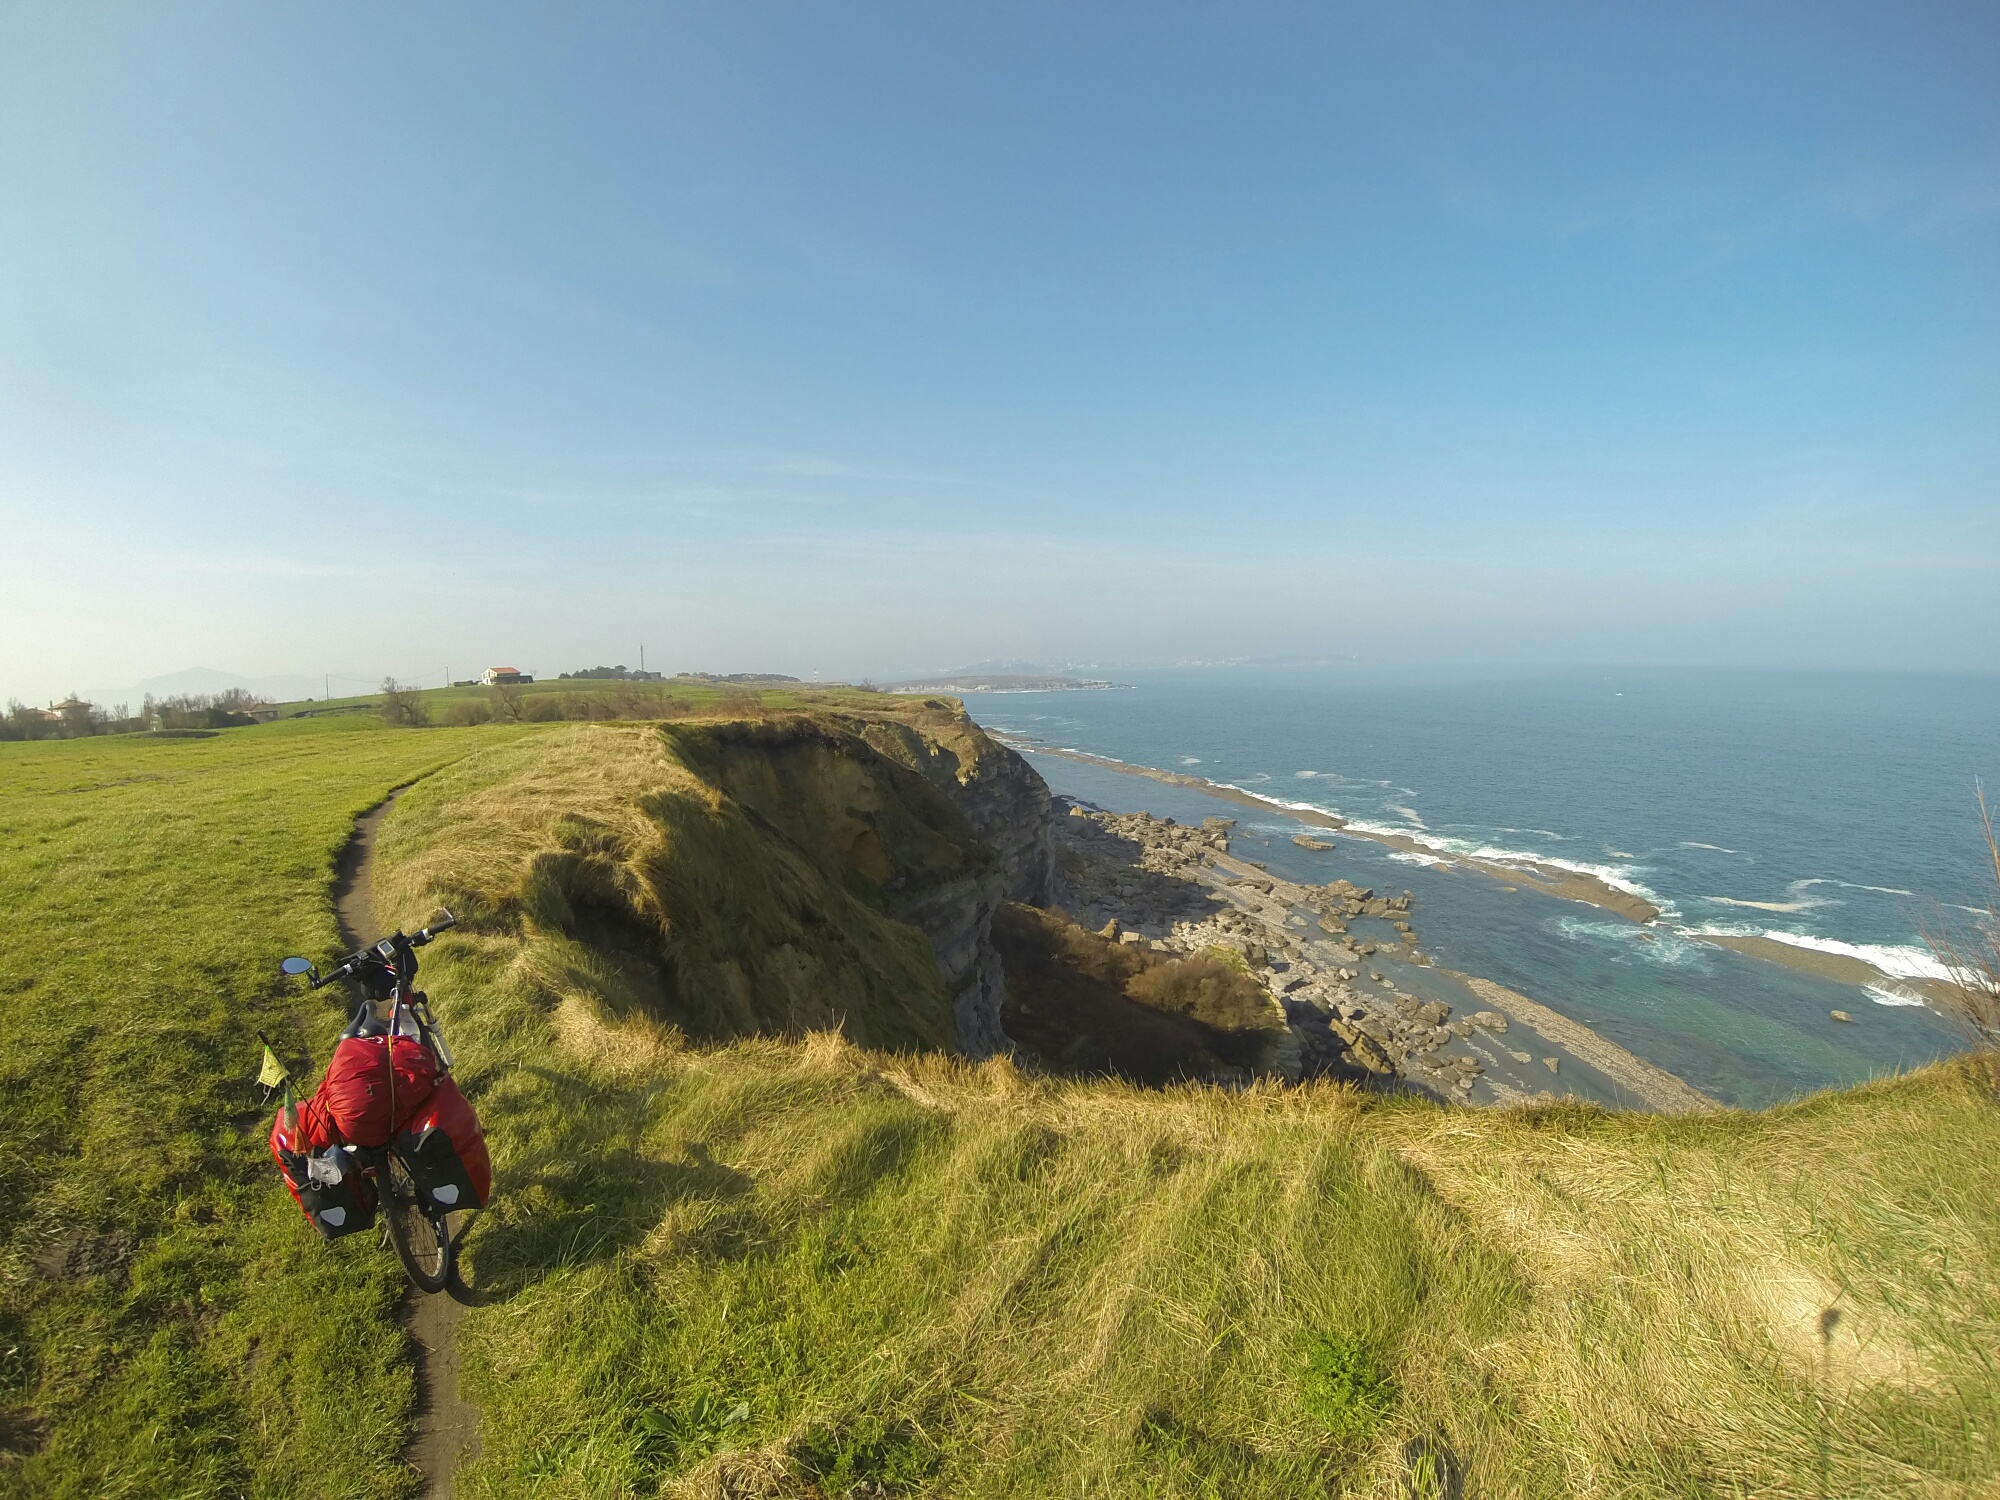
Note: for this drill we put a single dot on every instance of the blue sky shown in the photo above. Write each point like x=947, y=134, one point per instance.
x=871, y=339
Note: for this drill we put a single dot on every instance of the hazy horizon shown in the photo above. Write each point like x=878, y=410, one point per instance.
x=874, y=341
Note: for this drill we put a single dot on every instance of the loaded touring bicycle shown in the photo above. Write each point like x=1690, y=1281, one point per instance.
x=387, y=1129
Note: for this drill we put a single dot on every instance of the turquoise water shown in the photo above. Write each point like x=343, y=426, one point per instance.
x=1826, y=809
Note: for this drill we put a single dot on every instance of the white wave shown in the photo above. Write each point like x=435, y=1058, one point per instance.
x=1653, y=945
x=1888, y=994
x=1417, y=857
x=1441, y=843
x=1723, y=929
x=1408, y=812
x=1883, y=890
x=1691, y=844
x=1305, y=775
x=1618, y=877
x=1190, y=760
x=1897, y=961
x=1322, y=809
x=1779, y=906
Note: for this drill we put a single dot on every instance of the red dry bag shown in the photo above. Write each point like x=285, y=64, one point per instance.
x=354, y=1097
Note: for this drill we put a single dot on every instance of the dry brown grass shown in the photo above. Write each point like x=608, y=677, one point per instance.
x=1973, y=1000
x=1692, y=1281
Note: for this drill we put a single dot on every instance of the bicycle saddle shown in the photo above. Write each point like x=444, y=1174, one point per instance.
x=365, y=1022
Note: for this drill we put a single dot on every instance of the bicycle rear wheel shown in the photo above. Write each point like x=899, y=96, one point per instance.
x=423, y=1240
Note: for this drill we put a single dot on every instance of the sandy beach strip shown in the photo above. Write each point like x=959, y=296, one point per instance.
x=1660, y=1089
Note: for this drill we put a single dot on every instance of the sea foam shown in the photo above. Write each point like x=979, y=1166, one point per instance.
x=1897, y=961
x=1885, y=994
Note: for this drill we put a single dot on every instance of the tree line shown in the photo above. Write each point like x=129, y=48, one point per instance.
x=77, y=718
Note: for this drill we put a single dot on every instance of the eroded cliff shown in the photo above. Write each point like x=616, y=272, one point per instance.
x=761, y=876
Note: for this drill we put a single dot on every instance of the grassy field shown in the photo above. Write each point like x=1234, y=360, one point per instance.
x=165, y=1328
x=730, y=1265
x=553, y=700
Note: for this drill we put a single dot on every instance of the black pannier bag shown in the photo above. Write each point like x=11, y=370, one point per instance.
x=446, y=1152
x=438, y=1171
x=337, y=1197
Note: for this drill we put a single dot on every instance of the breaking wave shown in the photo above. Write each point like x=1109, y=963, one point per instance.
x=1898, y=961
x=1888, y=994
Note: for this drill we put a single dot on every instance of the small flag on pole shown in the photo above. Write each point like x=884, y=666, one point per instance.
x=273, y=1076
x=273, y=1073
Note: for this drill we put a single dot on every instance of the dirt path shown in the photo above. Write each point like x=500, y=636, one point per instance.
x=447, y=1428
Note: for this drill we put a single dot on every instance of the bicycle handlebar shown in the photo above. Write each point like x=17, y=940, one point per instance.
x=384, y=952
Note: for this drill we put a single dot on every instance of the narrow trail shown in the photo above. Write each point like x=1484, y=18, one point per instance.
x=447, y=1427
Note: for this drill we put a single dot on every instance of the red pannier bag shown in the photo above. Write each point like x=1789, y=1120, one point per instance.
x=354, y=1096
x=329, y=1188
x=446, y=1151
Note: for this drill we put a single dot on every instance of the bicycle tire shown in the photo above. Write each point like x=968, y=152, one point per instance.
x=423, y=1240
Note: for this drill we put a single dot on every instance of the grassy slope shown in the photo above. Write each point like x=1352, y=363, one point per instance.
x=656, y=891
x=735, y=1269
x=740, y=1267
x=161, y=1314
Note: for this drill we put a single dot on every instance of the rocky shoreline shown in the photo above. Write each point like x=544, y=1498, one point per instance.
x=1550, y=879
x=1344, y=968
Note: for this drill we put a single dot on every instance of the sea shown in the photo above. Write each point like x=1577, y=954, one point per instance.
x=1834, y=811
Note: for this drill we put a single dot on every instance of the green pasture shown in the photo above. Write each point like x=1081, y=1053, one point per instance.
x=551, y=699
x=165, y=1327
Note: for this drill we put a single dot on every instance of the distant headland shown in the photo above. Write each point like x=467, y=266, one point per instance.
x=998, y=682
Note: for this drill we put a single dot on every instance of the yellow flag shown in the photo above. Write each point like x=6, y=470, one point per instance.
x=273, y=1072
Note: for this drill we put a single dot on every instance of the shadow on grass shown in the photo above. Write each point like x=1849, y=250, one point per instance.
x=584, y=1192
x=1173, y=1455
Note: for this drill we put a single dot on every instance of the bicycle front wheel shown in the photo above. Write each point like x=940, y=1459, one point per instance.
x=423, y=1240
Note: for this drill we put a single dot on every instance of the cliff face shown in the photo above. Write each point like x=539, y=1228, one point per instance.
x=1001, y=795
x=1007, y=806
x=754, y=877
x=921, y=813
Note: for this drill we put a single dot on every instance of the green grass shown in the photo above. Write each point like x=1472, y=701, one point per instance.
x=163, y=1322
x=551, y=700
x=796, y=1266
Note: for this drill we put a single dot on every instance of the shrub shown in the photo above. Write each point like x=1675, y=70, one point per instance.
x=1203, y=988
x=468, y=711
x=866, y=1455
x=1972, y=998
x=543, y=708
x=404, y=706
x=1346, y=1388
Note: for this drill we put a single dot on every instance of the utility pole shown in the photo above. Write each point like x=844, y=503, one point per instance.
x=642, y=658
x=326, y=687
